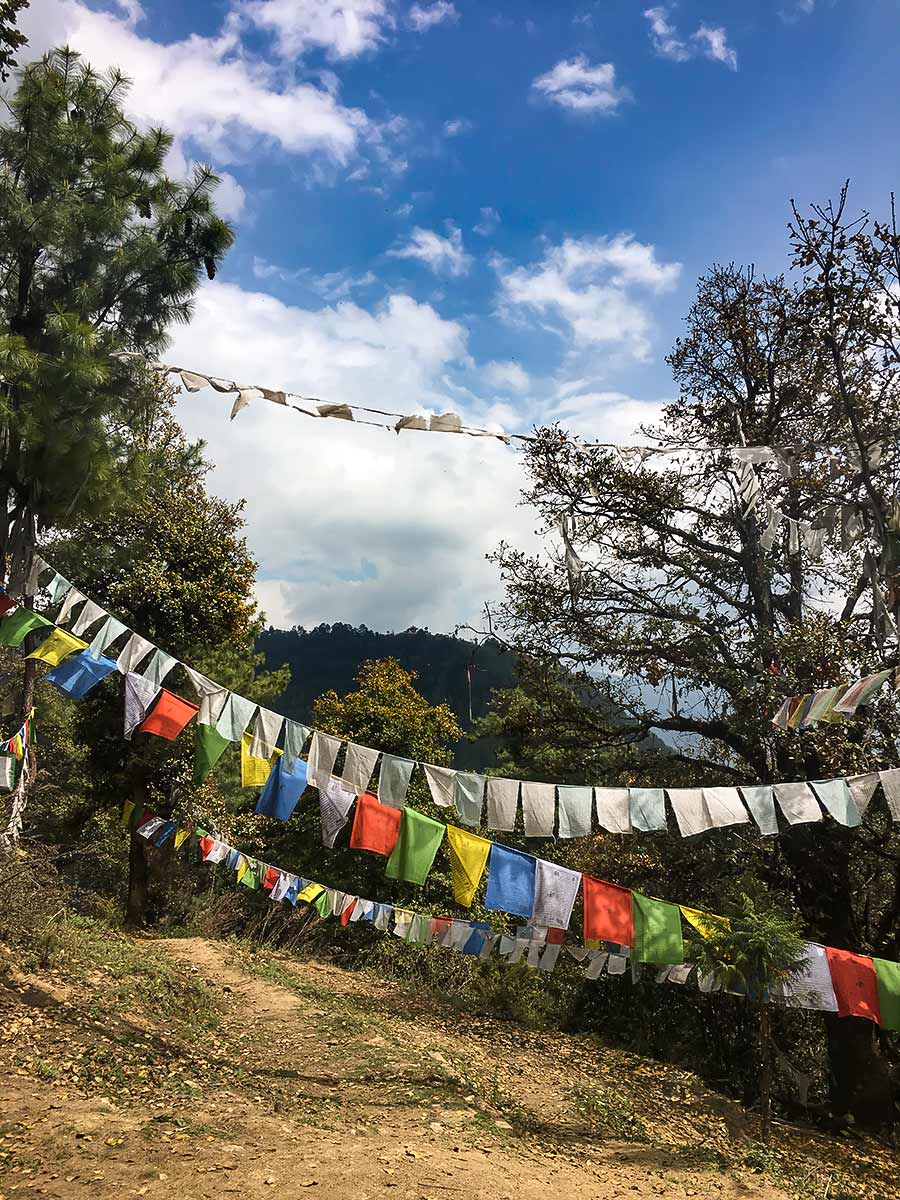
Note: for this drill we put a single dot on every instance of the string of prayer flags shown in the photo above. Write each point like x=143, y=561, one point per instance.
x=511, y=881
x=283, y=788
x=418, y=841
x=359, y=766
x=393, y=780
x=77, y=675
x=468, y=796
x=539, y=808
x=608, y=912
x=59, y=646
x=502, y=803
x=657, y=930
x=323, y=752
x=169, y=716
x=254, y=771
x=831, y=703
x=376, y=826
x=613, y=808
x=335, y=802
x=468, y=859
x=139, y=695
x=855, y=984
x=209, y=746
x=16, y=624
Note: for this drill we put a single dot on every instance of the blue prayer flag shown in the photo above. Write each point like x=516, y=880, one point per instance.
x=283, y=789
x=510, y=886
x=77, y=675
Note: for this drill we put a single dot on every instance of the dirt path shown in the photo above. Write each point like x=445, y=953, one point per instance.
x=339, y=1083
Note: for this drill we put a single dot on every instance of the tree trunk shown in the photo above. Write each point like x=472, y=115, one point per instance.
x=765, y=1073
x=138, y=872
x=859, y=1081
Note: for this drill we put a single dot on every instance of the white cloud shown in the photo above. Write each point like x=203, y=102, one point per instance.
x=401, y=516
x=573, y=83
x=457, y=126
x=334, y=285
x=603, y=416
x=713, y=43
x=507, y=376
x=343, y=28
x=487, y=222
x=585, y=289
x=231, y=198
x=423, y=17
x=443, y=255
x=706, y=41
x=208, y=91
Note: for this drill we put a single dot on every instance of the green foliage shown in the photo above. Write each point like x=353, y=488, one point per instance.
x=11, y=38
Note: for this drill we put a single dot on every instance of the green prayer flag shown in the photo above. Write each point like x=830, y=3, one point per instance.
x=887, y=975
x=657, y=931
x=417, y=844
x=209, y=745
x=15, y=625
x=250, y=877
x=322, y=905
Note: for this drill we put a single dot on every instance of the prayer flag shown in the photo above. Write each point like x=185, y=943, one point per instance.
x=539, y=808
x=7, y=772
x=657, y=931
x=555, y=893
x=468, y=796
x=613, y=808
x=89, y=615
x=887, y=975
x=58, y=646
x=133, y=654
x=323, y=751
x=393, y=780
x=441, y=784
x=310, y=893
x=295, y=738
x=417, y=844
x=376, y=826
x=761, y=802
x=335, y=801
x=283, y=788
x=690, y=810
x=725, y=806
x=468, y=858
x=706, y=924
x=359, y=764
x=835, y=795
x=16, y=624
x=862, y=789
x=139, y=695
x=160, y=666
x=212, y=698
x=797, y=803
x=608, y=912
x=77, y=675
x=266, y=731
x=235, y=716
x=209, y=746
x=575, y=804
x=169, y=716
x=511, y=881
x=855, y=984
x=648, y=808
x=890, y=783
x=254, y=771
x=502, y=803
x=107, y=634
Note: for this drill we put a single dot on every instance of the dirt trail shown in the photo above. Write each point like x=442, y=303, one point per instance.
x=345, y=1085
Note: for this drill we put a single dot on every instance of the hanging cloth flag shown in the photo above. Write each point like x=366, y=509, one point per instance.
x=539, y=808
x=608, y=912
x=16, y=624
x=441, y=784
x=295, y=738
x=236, y=715
x=310, y=893
x=690, y=810
x=861, y=692
x=708, y=925
x=657, y=931
x=254, y=771
x=71, y=602
x=812, y=986
x=77, y=675
x=359, y=763
x=613, y=808
x=393, y=780
x=575, y=804
x=855, y=984
x=209, y=746
x=6, y=602
x=502, y=804
x=890, y=783
x=133, y=654
x=212, y=697
x=7, y=772
x=725, y=807
x=139, y=695
x=511, y=881
x=648, y=808
x=266, y=731
x=89, y=615
x=862, y=789
x=109, y=631
x=38, y=567
x=57, y=587
x=169, y=716
x=761, y=802
x=797, y=803
x=468, y=796
x=835, y=795
x=418, y=841
x=887, y=975
x=322, y=904
x=376, y=826
x=323, y=751
x=335, y=801
x=555, y=893
x=59, y=646
x=160, y=665
x=468, y=858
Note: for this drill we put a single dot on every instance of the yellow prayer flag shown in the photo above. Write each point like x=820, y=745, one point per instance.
x=706, y=924
x=59, y=645
x=468, y=857
x=241, y=867
x=254, y=771
x=127, y=810
x=794, y=718
x=181, y=835
x=310, y=892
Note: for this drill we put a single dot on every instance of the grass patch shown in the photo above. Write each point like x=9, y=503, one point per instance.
x=610, y=1111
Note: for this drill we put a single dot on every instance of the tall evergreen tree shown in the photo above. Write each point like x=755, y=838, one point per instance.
x=11, y=38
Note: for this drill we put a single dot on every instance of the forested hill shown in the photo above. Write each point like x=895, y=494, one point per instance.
x=330, y=655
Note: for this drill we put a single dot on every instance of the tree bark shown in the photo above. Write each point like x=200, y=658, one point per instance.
x=765, y=1074
x=138, y=872
x=859, y=1081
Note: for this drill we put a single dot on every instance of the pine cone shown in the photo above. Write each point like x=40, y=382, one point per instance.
x=210, y=264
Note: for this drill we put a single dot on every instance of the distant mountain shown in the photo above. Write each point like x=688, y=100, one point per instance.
x=329, y=656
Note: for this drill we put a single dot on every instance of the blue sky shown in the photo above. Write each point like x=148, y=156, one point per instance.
x=499, y=208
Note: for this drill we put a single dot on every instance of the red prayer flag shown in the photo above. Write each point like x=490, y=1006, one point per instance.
x=555, y=936
x=270, y=878
x=855, y=984
x=376, y=826
x=6, y=603
x=608, y=913
x=169, y=716
x=206, y=844
x=348, y=912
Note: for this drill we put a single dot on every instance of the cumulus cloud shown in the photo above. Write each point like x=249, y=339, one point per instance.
x=585, y=287
x=423, y=17
x=577, y=85
x=706, y=41
x=443, y=255
x=507, y=376
x=343, y=28
x=488, y=221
